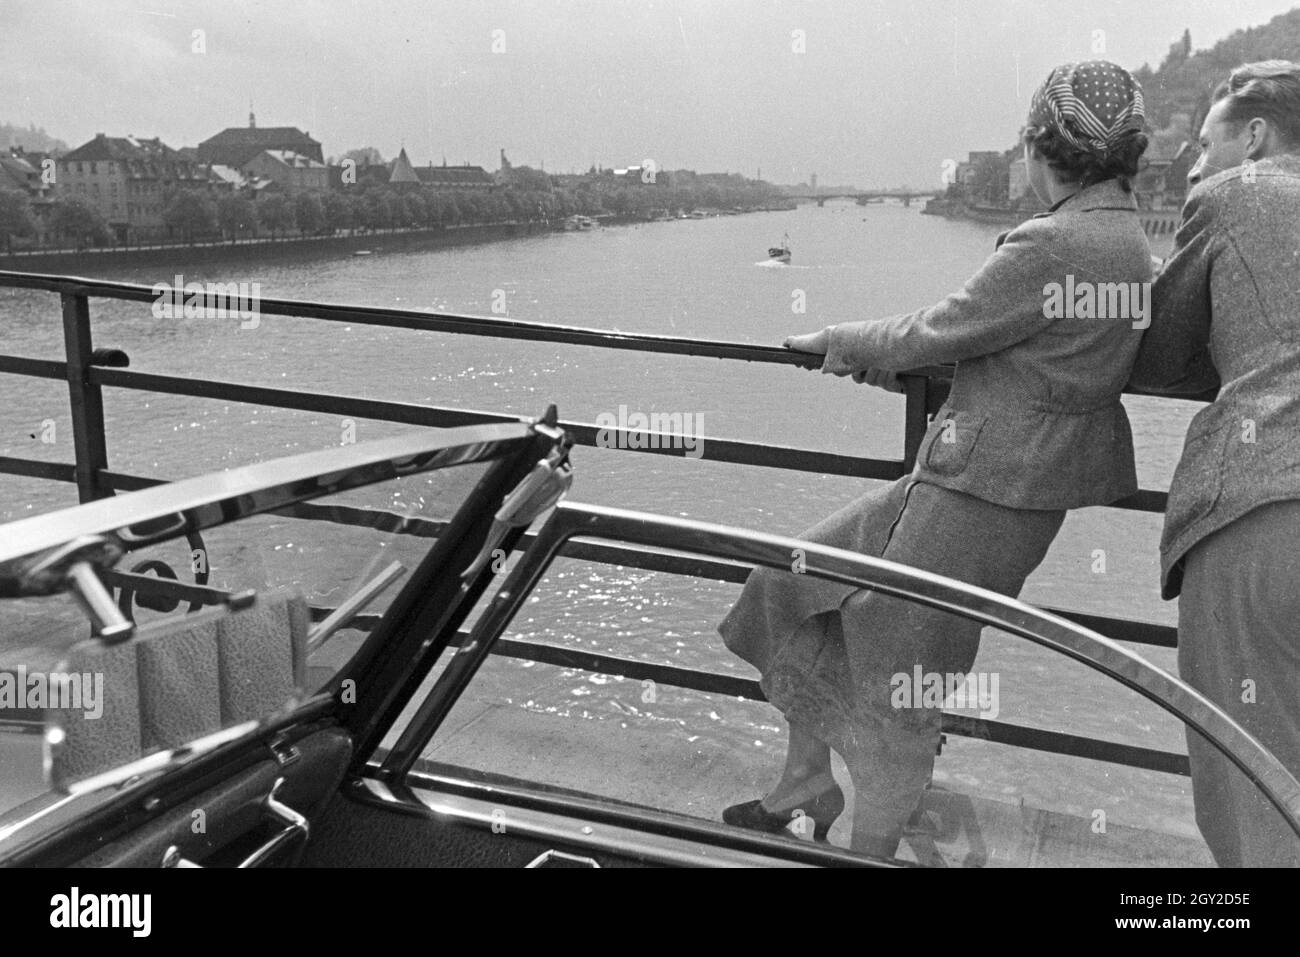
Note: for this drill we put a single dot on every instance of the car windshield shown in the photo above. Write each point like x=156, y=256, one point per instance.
x=641, y=714
x=234, y=623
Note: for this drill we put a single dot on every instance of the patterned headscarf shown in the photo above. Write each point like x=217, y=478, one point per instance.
x=1090, y=104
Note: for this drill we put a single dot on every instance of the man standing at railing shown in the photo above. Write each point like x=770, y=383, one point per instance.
x=1226, y=316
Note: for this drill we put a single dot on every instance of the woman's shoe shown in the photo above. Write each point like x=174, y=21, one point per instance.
x=822, y=810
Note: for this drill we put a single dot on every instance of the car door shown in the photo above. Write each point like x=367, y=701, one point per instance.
x=192, y=667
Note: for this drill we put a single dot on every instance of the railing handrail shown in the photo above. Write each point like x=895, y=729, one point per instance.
x=467, y=324
x=462, y=323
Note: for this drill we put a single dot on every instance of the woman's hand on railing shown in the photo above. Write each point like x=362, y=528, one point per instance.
x=813, y=343
x=816, y=344
x=880, y=378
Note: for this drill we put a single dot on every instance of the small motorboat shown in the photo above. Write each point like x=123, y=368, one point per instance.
x=780, y=253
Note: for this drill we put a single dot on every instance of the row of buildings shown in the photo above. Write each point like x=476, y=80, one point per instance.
x=127, y=179
x=993, y=179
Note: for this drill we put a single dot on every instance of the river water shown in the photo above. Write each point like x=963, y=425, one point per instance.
x=696, y=278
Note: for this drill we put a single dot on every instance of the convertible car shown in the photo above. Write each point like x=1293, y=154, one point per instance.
x=305, y=662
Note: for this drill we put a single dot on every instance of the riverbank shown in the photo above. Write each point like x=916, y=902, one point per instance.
x=288, y=248
x=91, y=261
x=1155, y=222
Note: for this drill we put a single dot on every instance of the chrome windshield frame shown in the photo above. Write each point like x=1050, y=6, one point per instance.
x=576, y=520
x=509, y=449
x=205, y=501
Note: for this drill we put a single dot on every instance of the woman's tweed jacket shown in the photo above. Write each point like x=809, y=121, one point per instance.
x=1035, y=413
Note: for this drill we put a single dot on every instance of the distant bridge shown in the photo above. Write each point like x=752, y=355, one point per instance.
x=864, y=196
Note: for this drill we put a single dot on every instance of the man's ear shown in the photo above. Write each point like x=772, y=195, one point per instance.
x=1261, y=137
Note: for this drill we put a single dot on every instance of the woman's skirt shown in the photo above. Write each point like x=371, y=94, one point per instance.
x=840, y=662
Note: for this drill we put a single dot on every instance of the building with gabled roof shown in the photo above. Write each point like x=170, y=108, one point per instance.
x=227, y=179
x=24, y=172
x=21, y=172
x=236, y=145
x=454, y=177
x=126, y=179
x=348, y=175
x=290, y=170
x=122, y=148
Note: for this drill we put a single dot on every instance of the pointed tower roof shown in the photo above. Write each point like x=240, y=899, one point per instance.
x=403, y=172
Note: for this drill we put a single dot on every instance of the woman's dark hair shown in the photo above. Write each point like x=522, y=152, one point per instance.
x=1085, y=167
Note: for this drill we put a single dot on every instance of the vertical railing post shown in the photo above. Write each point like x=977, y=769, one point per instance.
x=86, y=399
x=924, y=396
x=915, y=419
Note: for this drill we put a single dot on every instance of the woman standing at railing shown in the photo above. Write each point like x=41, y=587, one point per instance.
x=1033, y=426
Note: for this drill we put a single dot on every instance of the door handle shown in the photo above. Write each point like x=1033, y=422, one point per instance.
x=295, y=828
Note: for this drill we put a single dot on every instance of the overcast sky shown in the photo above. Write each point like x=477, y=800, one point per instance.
x=885, y=91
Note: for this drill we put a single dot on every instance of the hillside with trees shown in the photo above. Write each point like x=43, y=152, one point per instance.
x=1178, y=92
x=30, y=138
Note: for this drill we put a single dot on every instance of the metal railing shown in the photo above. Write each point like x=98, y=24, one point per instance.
x=88, y=371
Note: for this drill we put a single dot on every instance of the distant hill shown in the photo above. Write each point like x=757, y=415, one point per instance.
x=30, y=138
x=1178, y=92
